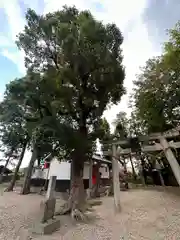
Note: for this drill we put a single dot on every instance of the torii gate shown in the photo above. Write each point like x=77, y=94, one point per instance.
x=163, y=145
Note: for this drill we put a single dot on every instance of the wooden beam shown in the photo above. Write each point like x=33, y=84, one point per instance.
x=145, y=148
x=116, y=142
x=168, y=134
x=174, y=144
x=152, y=148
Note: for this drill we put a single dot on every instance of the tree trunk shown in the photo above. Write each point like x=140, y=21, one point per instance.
x=13, y=181
x=77, y=192
x=4, y=168
x=77, y=197
x=27, y=180
x=133, y=170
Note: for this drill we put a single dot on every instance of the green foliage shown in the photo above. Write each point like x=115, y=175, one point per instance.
x=157, y=89
x=121, y=126
x=12, y=133
x=104, y=130
x=171, y=54
x=156, y=96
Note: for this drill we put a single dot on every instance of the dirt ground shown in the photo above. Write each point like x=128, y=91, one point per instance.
x=146, y=214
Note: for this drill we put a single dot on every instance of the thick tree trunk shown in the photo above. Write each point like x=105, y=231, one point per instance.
x=26, y=185
x=77, y=197
x=4, y=168
x=13, y=181
x=77, y=192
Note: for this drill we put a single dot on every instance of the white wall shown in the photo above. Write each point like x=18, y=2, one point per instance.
x=104, y=171
x=38, y=173
x=60, y=169
x=63, y=170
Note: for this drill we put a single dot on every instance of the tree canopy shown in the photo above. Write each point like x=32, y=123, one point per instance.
x=80, y=63
x=156, y=95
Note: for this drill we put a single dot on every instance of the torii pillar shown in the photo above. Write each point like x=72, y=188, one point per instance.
x=171, y=158
x=116, y=184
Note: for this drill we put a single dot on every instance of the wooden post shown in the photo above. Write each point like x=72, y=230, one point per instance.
x=90, y=173
x=98, y=180
x=116, y=184
x=90, y=178
x=171, y=159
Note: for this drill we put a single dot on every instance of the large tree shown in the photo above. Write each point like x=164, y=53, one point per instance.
x=13, y=139
x=80, y=60
x=21, y=111
x=157, y=94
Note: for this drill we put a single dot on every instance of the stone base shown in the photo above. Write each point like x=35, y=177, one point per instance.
x=48, y=227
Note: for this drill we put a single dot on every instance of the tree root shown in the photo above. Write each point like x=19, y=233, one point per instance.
x=78, y=215
x=64, y=209
x=8, y=189
x=108, y=192
x=93, y=202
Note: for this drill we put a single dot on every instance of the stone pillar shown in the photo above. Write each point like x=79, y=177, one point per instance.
x=171, y=159
x=48, y=224
x=116, y=184
x=48, y=208
x=51, y=188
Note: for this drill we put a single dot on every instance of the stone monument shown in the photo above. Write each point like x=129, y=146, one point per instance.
x=48, y=223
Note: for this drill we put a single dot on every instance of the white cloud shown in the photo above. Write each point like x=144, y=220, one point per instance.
x=15, y=25
x=13, y=12
x=5, y=42
x=118, y=11
x=16, y=57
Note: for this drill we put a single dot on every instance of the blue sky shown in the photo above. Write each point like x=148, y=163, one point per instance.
x=142, y=22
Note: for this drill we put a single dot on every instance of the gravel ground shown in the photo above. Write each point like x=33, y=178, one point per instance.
x=146, y=214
